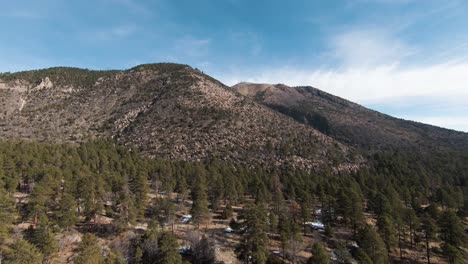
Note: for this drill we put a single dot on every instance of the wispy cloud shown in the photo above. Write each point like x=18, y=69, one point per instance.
x=248, y=40
x=21, y=14
x=371, y=71
x=368, y=47
x=134, y=6
x=108, y=34
x=192, y=46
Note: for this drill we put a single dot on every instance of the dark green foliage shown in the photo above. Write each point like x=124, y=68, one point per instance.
x=7, y=213
x=44, y=239
x=313, y=119
x=319, y=255
x=22, y=252
x=372, y=244
x=429, y=229
x=150, y=245
x=168, y=250
x=89, y=251
x=66, y=183
x=387, y=231
x=452, y=229
x=199, y=211
x=254, y=241
x=361, y=257
x=453, y=254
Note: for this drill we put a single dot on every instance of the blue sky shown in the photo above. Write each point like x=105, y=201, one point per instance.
x=408, y=58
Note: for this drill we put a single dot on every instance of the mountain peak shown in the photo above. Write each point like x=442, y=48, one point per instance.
x=166, y=110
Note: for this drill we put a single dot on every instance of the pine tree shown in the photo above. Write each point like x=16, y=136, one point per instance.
x=150, y=245
x=7, y=213
x=412, y=221
x=168, y=251
x=453, y=254
x=387, y=231
x=361, y=257
x=139, y=188
x=319, y=255
x=254, y=243
x=44, y=239
x=203, y=252
x=22, y=252
x=199, y=211
x=372, y=244
x=452, y=229
x=429, y=229
x=306, y=211
x=66, y=213
x=89, y=251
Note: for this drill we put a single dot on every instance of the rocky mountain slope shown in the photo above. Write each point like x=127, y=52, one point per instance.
x=167, y=111
x=351, y=123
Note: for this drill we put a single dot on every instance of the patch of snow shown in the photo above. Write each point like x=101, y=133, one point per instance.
x=186, y=218
x=316, y=225
x=184, y=250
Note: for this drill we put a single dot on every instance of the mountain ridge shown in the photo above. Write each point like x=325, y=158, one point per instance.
x=166, y=110
x=348, y=120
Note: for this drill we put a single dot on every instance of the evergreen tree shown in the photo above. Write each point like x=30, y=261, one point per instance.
x=372, y=244
x=306, y=210
x=387, y=231
x=412, y=222
x=451, y=228
x=203, y=252
x=254, y=243
x=319, y=255
x=89, y=251
x=22, y=252
x=199, y=211
x=66, y=214
x=429, y=229
x=361, y=257
x=44, y=239
x=7, y=213
x=168, y=250
x=150, y=245
x=453, y=254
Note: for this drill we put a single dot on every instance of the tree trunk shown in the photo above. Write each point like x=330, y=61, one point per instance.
x=428, y=250
x=399, y=244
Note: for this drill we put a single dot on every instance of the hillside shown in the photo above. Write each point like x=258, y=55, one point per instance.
x=201, y=188
x=168, y=111
x=351, y=123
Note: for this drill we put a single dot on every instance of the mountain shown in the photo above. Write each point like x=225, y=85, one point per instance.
x=167, y=111
x=353, y=124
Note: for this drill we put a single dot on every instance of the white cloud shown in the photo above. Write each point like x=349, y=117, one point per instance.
x=457, y=123
x=367, y=48
x=371, y=71
x=132, y=5
x=192, y=46
x=108, y=34
x=249, y=40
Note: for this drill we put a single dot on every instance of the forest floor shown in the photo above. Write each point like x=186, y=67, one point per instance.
x=225, y=242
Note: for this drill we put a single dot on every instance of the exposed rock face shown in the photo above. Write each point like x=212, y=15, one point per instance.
x=44, y=84
x=166, y=111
